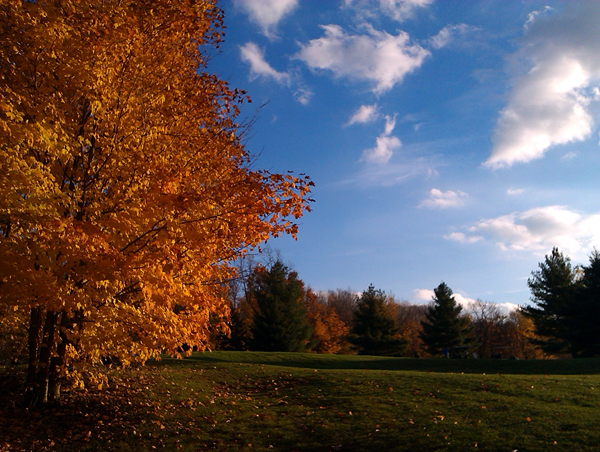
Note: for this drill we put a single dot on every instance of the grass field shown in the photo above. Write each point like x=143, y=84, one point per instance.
x=229, y=401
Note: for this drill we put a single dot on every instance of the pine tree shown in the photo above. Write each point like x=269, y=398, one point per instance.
x=582, y=330
x=445, y=328
x=281, y=321
x=374, y=331
x=553, y=290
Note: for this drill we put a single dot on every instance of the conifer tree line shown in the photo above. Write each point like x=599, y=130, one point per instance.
x=273, y=310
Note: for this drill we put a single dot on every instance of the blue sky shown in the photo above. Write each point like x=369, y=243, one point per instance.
x=448, y=140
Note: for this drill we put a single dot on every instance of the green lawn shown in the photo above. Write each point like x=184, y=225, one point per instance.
x=306, y=402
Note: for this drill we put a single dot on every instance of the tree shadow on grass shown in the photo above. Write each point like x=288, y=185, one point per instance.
x=348, y=362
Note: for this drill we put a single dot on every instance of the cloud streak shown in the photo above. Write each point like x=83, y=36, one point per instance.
x=377, y=57
x=449, y=33
x=254, y=56
x=399, y=10
x=549, y=104
x=365, y=114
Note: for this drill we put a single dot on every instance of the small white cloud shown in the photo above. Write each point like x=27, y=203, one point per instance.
x=449, y=33
x=540, y=229
x=515, y=191
x=303, y=95
x=365, y=114
x=267, y=13
x=427, y=296
x=385, y=144
x=465, y=302
x=507, y=308
x=569, y=156
x=424, y=294
x=399, y=10
x=251, y=54
x=442, y=200
x=549, y=103
x=462, y=237
x=376, y=57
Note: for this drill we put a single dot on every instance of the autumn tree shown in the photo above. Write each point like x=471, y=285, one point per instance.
x=343, y=302
x=374, y=331
x=408, y=321
x=280, y=323
x=329, y=332
x=125, y=190
x=445, y=327
x=487, y=323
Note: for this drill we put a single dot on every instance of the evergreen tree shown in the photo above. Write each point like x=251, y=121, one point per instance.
x=553, y=289
x=582, y=331
x=280, y=323
x=444, y=327
x=374, y=331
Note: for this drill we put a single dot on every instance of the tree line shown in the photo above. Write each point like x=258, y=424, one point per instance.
x=272, y=310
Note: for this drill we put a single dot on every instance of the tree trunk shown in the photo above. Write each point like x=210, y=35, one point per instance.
x=57, y=363
x=35, y=325
x=46, y=349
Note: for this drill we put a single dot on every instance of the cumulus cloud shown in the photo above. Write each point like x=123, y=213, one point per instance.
x=254, y=56
x=539, y=230
x=267, y=13
x=399, y=10
x=365, y=114
x=449, y=33
x=376, y=57
x=443, y=200
x=549, y=103
x=385, y=146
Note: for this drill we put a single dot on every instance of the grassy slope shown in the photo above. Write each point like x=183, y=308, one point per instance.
x=306, y=402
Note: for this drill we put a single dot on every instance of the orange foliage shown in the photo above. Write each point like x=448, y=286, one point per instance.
x=124, y=188
x=329, y=331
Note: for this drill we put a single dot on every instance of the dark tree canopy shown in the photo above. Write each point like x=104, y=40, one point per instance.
x=582, y=327
x=553, y=289
x=444, y=327
x=280, y=323
x=374, y=331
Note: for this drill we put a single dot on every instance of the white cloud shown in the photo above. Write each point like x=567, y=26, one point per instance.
x=442, y=200
x=569, y=156
x=449, y=33
x=462, y=237
x=267, y=13
x=399, y=10
x=365, y=114
x=507, y=308
x=303, y=95
x=549, y=104
x=515, y=191
x=424, y=294
x=427, y=295
x=539, y=230
x=386, y=144
x=251, y=54
x=376, y=57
